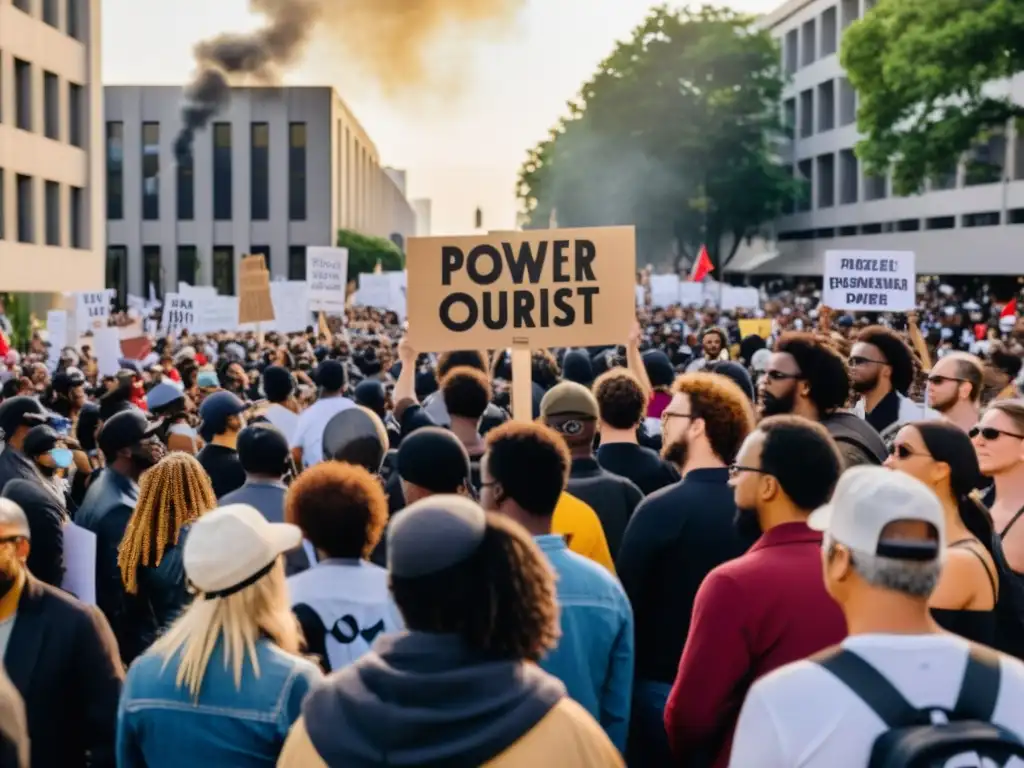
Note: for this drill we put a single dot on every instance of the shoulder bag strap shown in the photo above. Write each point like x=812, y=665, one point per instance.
x=980, y=688
x=873, y=688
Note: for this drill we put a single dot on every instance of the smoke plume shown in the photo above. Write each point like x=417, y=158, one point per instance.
x=391, y=41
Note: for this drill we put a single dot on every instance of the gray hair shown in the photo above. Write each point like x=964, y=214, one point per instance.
x=13, y=516
x=914, y=579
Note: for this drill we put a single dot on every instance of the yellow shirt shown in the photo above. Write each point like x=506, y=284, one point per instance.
x=581, y=527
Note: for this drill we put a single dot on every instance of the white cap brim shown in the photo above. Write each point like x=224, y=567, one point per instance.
x=284, y=537
x=820, y=518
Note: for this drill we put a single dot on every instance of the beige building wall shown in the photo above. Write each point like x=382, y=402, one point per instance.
x=51, y=158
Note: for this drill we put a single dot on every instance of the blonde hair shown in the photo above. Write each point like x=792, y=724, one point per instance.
x=240, y=619
x=172, y=494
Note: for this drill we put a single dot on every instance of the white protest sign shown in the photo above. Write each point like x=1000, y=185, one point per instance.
x=374, y=290
x=691, y=294
x=327, y=277
x=184, y=289
x=664, y=290
x=57, y=335
x=870, y=281
x=106, y=344
x=399, y=282
x=735, y=297
x=179, y=313
x=291, y=306
x=92, y=308
x=640, y=295
x=80, y=563
x=214, y=313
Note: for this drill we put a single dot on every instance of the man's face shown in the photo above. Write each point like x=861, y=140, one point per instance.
x=77, y=397
x=146, y=453
x=489, y=490
x=777, y=389
x=676, y=420
x=944, y=385
x=745, y=478
x=866, y=366
x=14, y=549
x=712, y=343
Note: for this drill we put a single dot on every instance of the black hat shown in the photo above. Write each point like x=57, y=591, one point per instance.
x=18, y=411
x=278, y=383
x=39, y=440
x=330, y=375
x=370, y=394
x=356, y=435
x=66, y=380
x=263, y=450
x=124, y=430
x=577, y=367
x=215, y=412
x=435, y=459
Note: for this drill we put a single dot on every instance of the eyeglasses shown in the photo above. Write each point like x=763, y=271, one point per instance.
x=782, y=375
x=991, y=433
x=937, y=380
x=13, y=539
x=666, y=415
x=857, y=360
x=736, y=469
x=902, y=452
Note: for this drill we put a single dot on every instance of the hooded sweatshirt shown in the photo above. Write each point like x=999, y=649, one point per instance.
x=426, y=700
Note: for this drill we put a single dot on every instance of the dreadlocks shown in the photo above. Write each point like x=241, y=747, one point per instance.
x=172, y=494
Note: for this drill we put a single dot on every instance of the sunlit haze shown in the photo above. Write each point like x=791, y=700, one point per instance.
x=462, y=148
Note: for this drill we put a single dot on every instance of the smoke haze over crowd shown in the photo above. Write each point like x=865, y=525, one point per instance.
x=391, y=41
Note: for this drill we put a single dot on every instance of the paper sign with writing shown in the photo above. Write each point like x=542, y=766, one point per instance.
x=541, y=288
x=57, y=335
x=179, y=313
x=92, y=308
x=327, y=275
x=869, y=281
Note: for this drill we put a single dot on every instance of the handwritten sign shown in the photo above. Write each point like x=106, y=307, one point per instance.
x=869, y=281
x=327, y=275
x=92, y=308
x=179, y=313
x=542, y=288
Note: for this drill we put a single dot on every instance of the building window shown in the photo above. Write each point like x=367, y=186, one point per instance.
x=792, y=54
x=986, y=219
x=826, y=106
x=186, y=187
x=262, y=250
x=51, y=13
x=849, y=12
x=849, y=177
x=809, y=43
x=297, y=262
x=806, y=113
x=826, y=182
x=789, y=117
x=188, y=264
x=297, y=172
x=943, y=181
x=871, y=229
x=222, y=172
x=986, y=162
x=26, y=214
x=76, y=114
x=259, y=161
x=117, y=272
x=52, y=200
x=51, y=106
x=115, y=171
x=847, y=103
x=805, y=172
x=73, y=19
x=829, y=32
x=151, y=171
x=152, y=273
x=940, y=222
x=23, y=95
x=224, y=269
x=789, y=203
x=908, y=225
x=875, y=187
x=75, y=224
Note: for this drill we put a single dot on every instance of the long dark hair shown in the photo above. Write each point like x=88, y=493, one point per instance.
x=951, y=445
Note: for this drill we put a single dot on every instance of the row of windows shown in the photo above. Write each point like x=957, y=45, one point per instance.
x=50, y=12
x=25, y=227
x=836, y=101
x=819, y=37
x=222, y=174
x=56, y=99
x=967, y=221
x=188, y=265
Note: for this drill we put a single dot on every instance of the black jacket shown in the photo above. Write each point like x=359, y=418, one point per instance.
x=63, y=659
x=46, y=517
x=858, y=441
x=612, y=497
x=14, y=465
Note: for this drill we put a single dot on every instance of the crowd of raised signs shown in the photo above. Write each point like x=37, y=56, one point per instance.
x=708, y=547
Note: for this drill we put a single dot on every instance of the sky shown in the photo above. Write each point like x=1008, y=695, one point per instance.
x=461, y=149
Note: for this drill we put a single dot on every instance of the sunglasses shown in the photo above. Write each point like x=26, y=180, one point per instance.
x=991, y=433
x=856, y=361
x=781, y=376
x=937, y=380
x=903, y=453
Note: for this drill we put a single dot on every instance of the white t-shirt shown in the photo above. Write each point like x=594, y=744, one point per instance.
x=284, y=421
x=309, y=431
x=802, y=716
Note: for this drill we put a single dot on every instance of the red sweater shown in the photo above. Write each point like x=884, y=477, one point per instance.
x=751, y=615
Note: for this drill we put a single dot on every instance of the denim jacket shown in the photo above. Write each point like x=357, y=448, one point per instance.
x=160, y=726
x=594, y=657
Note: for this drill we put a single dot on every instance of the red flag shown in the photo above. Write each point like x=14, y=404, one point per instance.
x=5, y=347
x=1010, y=310
x=702, y=267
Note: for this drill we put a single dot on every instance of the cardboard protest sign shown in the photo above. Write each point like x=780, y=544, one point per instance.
x=870, y=281
x=255, y=304
x=327, y=275
x=179, y=313
x=539, y=288
x=756, y=327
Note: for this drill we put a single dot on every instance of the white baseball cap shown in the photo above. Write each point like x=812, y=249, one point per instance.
x=867, y=499
x=233, y=547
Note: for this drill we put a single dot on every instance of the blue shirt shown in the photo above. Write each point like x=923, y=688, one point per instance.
x=159, y=725
x=594, y=657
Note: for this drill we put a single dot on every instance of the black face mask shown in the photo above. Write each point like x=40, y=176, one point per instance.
x=747, y=525
x=777, y=406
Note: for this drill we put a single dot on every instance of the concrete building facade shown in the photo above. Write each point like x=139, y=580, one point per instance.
x=968, y=221
x=277, y=170
x=51, y=151
x=423, y=207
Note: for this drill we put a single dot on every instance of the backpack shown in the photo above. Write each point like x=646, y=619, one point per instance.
x=912, y=739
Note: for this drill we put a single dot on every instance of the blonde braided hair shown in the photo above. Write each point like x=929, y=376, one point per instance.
x=172, y=494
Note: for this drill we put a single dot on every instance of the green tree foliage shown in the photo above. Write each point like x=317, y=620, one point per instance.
x=676, y=134
x=921, y=68
x=364, y=251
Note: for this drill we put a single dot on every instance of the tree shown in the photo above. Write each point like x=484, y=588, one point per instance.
x=676, y=134
x=365, y=251
x=920, y=68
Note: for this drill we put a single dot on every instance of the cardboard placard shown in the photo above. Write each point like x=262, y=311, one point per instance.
x=539, y=288
x=870, y=281
x=255, y=304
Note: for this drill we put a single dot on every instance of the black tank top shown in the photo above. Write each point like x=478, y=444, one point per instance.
x=976, y=626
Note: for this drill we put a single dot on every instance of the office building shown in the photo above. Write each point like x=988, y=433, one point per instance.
x=967, y=221
x=423, y=207
x=51, y=151
x=277, y=170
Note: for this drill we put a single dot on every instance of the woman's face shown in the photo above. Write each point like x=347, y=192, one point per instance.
x=908, y=454
x=997, y=445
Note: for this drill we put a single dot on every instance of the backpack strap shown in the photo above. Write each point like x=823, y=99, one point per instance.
x=980, y=688
x=872, y=687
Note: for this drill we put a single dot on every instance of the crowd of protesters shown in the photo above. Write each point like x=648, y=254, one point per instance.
x=701, y=548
